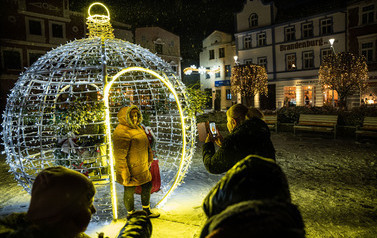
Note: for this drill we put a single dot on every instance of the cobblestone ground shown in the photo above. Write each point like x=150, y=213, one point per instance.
x=334, y=183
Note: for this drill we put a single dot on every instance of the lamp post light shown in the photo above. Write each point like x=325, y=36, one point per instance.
x=333, y=50
x=236, y=59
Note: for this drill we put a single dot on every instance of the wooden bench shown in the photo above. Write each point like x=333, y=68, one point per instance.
x=322, y=123
x=369, y=127
x=272, y=122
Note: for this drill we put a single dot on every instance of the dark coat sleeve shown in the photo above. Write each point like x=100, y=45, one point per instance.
x=222, y=160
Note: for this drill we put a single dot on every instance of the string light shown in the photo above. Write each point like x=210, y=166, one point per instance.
x=68, y=88
x=248, y=80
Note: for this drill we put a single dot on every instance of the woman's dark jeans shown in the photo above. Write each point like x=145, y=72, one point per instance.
x=128, y=196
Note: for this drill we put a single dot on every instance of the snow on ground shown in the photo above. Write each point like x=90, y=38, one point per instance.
x=334, y=183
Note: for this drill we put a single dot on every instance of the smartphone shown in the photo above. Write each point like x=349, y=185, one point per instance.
x=212, y=128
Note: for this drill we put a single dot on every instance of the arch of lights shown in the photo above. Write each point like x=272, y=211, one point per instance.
x=63, y=108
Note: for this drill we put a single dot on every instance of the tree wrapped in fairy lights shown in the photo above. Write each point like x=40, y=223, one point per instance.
x=63, y=109
x=248, y=80
x=345, y=73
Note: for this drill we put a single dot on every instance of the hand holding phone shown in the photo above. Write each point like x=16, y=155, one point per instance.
x=213, y=129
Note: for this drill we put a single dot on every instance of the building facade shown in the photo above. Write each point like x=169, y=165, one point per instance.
x=218, y=52
x=161, y=42
x=362, y=40
x=291, y=52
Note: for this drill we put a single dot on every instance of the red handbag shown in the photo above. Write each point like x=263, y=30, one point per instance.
x=156, y=178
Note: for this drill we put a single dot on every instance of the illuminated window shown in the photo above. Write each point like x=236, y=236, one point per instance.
x=325, y=53
x=367, y=14
x=289, y=96
x=262, y=61
x=326, y=26
x=308, y=60
x=228, y=71
x=158, y=48
x=253, y=20
x=367, y=51
x=228, y=94
x=307, y=30
x=289, y=33
x=12, y=59
x=308, y=93
x=211, y=54
x=261, y=39
x=247, y=42
x=221, y=52
x=290, y=61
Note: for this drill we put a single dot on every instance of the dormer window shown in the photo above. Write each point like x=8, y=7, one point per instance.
x=253, y=20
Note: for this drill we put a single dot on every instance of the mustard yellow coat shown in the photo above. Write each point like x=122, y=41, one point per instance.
x=132, y=152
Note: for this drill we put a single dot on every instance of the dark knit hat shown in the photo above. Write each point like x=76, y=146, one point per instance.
x=57, y=194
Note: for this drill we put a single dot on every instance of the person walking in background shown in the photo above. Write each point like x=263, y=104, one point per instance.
x=133, y=157
x=249, y=135
x=61, y=206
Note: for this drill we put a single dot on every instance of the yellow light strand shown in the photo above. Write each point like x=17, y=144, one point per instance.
x=108, y=132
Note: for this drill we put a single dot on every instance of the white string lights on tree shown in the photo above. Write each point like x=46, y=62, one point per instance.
x=63, y=110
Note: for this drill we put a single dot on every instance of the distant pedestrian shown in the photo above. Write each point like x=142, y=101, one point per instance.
x=249, y=135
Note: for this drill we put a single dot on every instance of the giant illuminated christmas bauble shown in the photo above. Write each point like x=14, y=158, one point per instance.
x=63, y=110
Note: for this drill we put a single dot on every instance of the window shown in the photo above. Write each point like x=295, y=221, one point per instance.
x=289, y=96
x=217, y=74
x=253, y=20
x=247, y=42
x=57, y=30
x=228, y=71
x=211, y=54
x=367, y=14
x=158, y=48
x=307, y=30
x=325, y=53
x=262, y=39
x=34, y=57
x=207, y=74
x=326, y=26
x=221, y=53
x=263, y=62
x=367, y=51
x=290, y=61
x=12, y=59
x=308, y=60
x=35, y=27
x=248, y=61
x=289, y=33
x=228, y=94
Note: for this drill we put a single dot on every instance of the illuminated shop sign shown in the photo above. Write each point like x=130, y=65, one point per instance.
x=302, y=44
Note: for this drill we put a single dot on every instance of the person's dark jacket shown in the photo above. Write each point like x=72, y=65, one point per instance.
x=252, y=137
x=16, y=225
x=257, y=218
x=253, y=178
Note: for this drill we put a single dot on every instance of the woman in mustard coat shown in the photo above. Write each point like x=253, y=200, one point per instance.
x=133, y=157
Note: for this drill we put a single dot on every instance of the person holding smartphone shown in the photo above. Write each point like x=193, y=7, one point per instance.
x=249, y=135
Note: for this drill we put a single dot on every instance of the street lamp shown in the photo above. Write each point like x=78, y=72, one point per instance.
x=333, y=50
x=236, y=59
